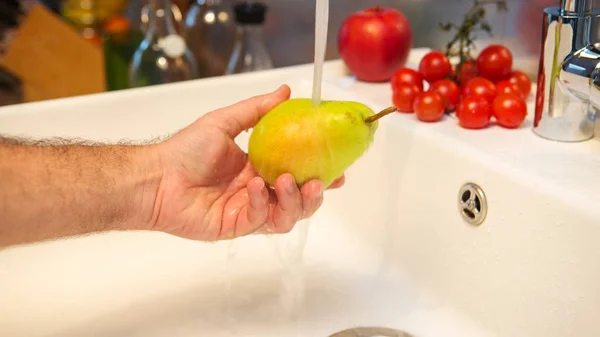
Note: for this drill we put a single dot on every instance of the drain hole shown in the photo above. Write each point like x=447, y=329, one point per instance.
x=477, y=204
x=469, y=213
x=466, y=195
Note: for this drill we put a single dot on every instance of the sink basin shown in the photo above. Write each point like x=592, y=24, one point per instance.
x=391, y=249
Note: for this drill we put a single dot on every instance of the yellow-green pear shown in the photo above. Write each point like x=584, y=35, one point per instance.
x=311, y=142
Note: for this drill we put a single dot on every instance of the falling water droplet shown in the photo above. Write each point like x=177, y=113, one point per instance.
x=231, y=254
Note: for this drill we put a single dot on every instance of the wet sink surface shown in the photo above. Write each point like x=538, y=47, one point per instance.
x=151, y=285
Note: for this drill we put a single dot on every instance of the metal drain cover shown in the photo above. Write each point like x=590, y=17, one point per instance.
x=472, y=204
x=371, y=332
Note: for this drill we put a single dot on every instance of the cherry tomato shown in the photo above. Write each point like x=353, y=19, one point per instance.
x=434, y=66
x=407, y=76
x=509, y=110
x=429, y=106
x=522, y=81
x=481, y=87
x=468, y=71
x=404, y=96
x=449, y=91
x=506, y=87
x=495, y=62
x=474, y=112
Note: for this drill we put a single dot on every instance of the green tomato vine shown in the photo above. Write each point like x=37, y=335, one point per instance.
x=463, y=42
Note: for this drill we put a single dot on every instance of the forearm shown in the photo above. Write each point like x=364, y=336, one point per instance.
x=49, y=191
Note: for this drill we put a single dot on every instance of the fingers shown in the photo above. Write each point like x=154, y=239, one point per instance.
x=289, y=204
x=258, y=202
x=312, y=197
x=245, y=114
x=339, y=182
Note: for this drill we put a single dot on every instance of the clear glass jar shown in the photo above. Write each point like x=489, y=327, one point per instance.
x=250, y=52
x=163, y=56
x=209, y=31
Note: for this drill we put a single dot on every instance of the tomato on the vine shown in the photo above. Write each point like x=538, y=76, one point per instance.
x=406, y=75
x=449, y=91
x=506, y=87
x=474, y=112
x=522, y=81
x=429, y=106
x=434, y=66
x=481, y=87
x=509, y=110
x=404, y=96
x=495, y=62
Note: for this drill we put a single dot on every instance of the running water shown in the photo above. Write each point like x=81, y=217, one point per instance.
x=231, y=254
x=321, y=25
x=290, y=248
x=290, y=251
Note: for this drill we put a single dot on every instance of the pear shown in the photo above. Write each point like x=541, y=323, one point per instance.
x=312, y=142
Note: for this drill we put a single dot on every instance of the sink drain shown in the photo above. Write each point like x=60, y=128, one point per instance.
x=371, y=332
x=472, y=204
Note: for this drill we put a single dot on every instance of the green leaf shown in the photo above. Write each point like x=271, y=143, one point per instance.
x=446, y=26
x=486, y=27
x=481, y=13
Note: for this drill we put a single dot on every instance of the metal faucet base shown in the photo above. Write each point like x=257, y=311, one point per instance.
x=561, y=140
x=576, y=124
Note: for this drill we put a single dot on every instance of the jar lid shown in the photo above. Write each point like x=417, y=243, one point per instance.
x=250, y=12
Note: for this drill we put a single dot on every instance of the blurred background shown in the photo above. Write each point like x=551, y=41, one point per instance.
x=61, y=48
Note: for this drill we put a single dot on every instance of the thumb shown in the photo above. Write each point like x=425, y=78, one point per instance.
x=245, y=114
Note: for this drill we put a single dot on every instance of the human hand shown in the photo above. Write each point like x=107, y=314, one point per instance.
x=209, y=190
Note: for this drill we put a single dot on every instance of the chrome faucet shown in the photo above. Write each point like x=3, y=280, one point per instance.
x=568, y=84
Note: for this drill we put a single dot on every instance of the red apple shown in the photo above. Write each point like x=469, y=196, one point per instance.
x=374, y=43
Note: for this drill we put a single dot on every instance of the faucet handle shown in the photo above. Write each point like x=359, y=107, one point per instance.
x=578, y=70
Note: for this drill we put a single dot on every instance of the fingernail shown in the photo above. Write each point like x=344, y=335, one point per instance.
x=291, y=185
x=260, y=183
x=320, y=189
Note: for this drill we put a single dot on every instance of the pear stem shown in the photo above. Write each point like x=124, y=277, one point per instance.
x=384, y=112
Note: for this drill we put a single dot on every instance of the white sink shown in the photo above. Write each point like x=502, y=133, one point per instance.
x=388, y=249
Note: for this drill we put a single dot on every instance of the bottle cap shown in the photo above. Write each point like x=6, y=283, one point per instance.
x=250, y=12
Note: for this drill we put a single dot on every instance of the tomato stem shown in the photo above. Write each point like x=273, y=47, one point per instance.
x=383, y=113
x=473, y=21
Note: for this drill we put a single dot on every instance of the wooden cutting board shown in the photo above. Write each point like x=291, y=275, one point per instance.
x=52, y=59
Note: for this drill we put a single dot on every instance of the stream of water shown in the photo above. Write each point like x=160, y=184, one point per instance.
x=290, y=247
x=321, y=26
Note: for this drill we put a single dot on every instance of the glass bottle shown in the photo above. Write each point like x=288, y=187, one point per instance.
x=176, y=14
x=120, y=42
x=249, y=53
x=209, y=31
x=88, y=16
x=163, y=56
